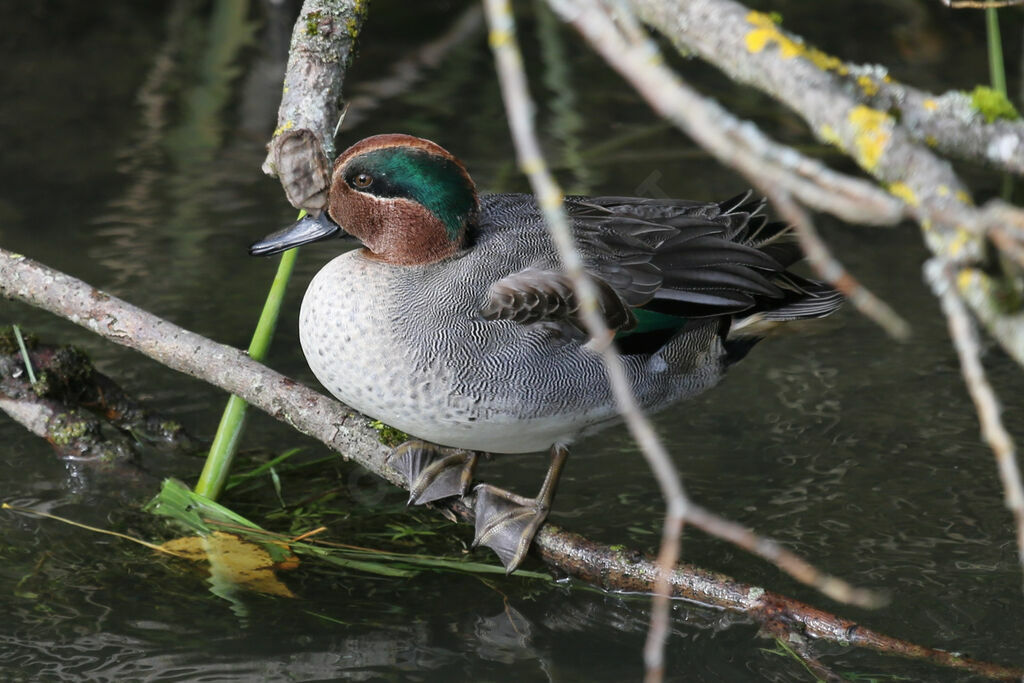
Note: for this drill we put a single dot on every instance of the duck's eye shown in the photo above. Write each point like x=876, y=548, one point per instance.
x=362, y=181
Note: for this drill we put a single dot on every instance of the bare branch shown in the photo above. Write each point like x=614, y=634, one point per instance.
x=519, y=108
x=942, y=277
x=826, y=265
x=636, y=574
x=981, y=4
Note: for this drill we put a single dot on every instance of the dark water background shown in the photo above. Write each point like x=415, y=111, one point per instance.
x=132, y=138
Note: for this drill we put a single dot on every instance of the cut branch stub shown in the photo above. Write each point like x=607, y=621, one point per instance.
x=303, y=168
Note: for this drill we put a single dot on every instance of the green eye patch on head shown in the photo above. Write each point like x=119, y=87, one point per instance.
x=437, y=183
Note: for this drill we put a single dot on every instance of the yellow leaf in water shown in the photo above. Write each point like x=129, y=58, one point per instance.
x=234, y=560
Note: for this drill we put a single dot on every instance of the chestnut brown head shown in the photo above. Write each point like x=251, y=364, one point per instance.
x=407, y=199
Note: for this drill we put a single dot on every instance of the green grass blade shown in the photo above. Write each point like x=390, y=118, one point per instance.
x=265, y=467
x=378, y=568
x=194, y=510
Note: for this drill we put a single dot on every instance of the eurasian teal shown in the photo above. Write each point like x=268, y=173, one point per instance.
x=456, y=324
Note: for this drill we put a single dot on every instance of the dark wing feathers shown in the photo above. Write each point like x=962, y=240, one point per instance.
x=785, y=252
x=535, y=295
x=710, y=252
x=680, y=257
x=804, y=298
x=729, y=276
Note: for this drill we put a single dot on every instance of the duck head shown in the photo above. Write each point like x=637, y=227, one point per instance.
x=407, y=199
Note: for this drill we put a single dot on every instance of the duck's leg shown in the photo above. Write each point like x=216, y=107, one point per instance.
x=433, y=472
x=506, y=523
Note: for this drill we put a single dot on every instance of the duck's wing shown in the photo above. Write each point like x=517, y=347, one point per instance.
x=535, y=295
x=706, y=259
x=661, y=262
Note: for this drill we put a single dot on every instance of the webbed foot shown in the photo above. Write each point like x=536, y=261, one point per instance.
x=506, y=523
x=433, y=472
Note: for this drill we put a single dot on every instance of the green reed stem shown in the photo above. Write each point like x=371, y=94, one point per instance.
x=997, y=74
x=996, y=70
x=232, y=422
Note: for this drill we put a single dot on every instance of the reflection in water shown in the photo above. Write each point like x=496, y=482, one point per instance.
x=92, y=636
x=179, y=164
x=566, y=125
x=506, y=637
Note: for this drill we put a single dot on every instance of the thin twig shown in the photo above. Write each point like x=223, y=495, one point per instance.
x=786, y=560
x=519, y=108
x=829, y=268
x=942, y=277
x=739, y=144
x=980, y=4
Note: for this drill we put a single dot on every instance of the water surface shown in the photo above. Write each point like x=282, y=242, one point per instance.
x=133, y=138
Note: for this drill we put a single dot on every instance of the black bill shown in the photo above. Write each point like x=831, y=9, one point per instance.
x=303, y=231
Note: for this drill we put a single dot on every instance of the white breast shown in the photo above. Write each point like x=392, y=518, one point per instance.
x=347, y=332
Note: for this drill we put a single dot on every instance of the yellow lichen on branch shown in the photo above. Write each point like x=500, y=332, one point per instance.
x=872, y=130
x=866, y=84
x=903, y=191
x=766, y=32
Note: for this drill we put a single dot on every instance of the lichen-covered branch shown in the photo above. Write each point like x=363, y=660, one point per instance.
x=959, y=124
x=779, y=171
x=751, y=48
x=303, y=142
x=351, y=435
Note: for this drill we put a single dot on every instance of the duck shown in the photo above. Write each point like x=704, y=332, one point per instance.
x=455, y=322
